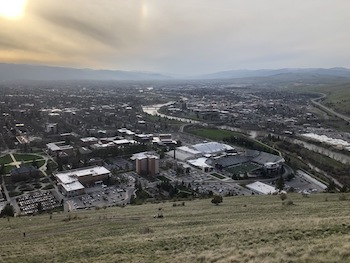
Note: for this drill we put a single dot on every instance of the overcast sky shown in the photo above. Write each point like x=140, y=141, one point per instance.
x=184, y=36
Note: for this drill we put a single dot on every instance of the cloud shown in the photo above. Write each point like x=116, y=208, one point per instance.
x=192, y=36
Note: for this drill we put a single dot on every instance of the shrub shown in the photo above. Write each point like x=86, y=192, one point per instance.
x=342, y=197
x=283, y=196
x=217, y=199
x=288, y=202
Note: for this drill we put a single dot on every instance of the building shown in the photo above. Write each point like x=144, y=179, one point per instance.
x=23, y=173
x=73, y=182
x=261, y=188
x=87, y=141
x=51, y=128
x=164, y=139
x=55, y=148
x=146, y=163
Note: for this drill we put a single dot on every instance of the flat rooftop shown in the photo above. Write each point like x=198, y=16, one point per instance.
x=94, y=171
x=261, y=188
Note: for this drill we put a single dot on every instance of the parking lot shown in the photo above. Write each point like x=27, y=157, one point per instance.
x=205, y=182
x=100, y=196
x=304, y=182
x=28, y=203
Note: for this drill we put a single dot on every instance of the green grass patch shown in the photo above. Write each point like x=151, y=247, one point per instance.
x=242, y=168
x=231, y=137
x=8, y=168
x=218, y=175
x=40, y=163
x=6, y=159
x=26, y=157
x=163, y=178
x=213, y=134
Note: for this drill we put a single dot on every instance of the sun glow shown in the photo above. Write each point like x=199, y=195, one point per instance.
x=12, y=9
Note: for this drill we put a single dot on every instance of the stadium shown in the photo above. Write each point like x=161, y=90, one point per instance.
x=236, y=162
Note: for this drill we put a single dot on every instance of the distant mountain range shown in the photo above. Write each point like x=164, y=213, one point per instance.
x=9, y=72
x=34, y=72
x=232, y=74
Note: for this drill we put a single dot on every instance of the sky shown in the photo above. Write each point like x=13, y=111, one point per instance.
x=179, y=37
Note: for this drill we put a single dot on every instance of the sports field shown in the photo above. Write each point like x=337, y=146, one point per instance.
x=242, y=168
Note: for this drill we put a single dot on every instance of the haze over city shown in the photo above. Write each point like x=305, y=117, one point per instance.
x=179, y=37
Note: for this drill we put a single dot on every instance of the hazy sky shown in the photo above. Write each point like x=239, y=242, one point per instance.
x=184, y=36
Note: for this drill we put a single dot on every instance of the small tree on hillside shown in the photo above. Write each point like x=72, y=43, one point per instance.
x=280, y=183
x=331, y=187
x=7, y=211
x=40, y=207
x=217, y=199
x=283, y=196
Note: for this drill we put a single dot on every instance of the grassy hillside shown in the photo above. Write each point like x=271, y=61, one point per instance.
x=338, y=96
x=241, y=229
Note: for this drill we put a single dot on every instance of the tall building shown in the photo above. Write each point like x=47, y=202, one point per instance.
x=146, y=163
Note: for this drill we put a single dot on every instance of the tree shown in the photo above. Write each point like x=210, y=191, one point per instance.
x=7, y=211
x=34, y=163
x=2, y=169
x=40, y=207
x=217, y=199
x=331, y=187
x=280, y=183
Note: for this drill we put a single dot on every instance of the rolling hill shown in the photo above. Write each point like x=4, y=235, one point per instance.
x=241, y=229
x=10, y=72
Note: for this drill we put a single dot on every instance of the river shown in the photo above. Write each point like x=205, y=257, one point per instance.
x=345, y=159
x=154, y=110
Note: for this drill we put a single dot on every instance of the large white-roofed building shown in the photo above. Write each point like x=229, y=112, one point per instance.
x=261, y=188
x=73, y=182
x=212, y=147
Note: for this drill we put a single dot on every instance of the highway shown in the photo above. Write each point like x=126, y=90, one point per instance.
x=328, y=110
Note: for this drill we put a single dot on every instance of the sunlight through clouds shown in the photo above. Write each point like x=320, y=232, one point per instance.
x=12, y=9
x=192, y=36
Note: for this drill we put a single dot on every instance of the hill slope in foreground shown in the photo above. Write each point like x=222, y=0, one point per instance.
x=241, y=229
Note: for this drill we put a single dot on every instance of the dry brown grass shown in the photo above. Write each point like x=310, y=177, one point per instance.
x=241, y=229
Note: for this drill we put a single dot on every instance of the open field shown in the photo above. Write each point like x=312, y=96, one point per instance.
x=231, y=137
x=26, y=157
x=241, y=229
x=213, y=134
x=242, y=168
